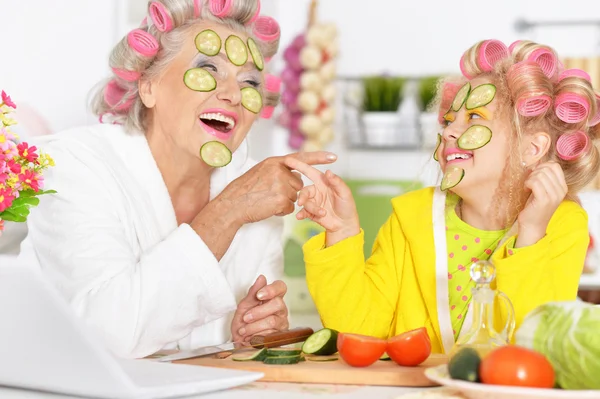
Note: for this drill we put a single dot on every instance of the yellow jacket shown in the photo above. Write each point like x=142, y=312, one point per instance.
x=395, y=289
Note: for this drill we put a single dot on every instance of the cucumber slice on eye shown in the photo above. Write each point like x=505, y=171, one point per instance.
x=215, y=154
x=208, y=42
x=475, y=137
x=461, y=96
x=236, y=50
x=199, y=79
x=480, y=96
x=256, y=54
x=251, y=99
x=437, y=147
x=453, y=176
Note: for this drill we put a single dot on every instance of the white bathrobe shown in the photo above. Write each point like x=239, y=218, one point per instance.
x=110, y=242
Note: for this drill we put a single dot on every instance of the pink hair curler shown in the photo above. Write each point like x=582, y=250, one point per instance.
x=490, y=52
x=596, y=119
x=546, y=60
x=112, y=118
x=143, y=42
x=575, y=72
x=160, y=17
x=513, y=45
x=256, y=14
x=266, y=29
x=273, y=83
x=462, y=67
x=570, y=146
x=534, y=106
x=129, y=76
x=220, y=8
x=115, y=97
x=197, y=8
x=571, y=107
x=267, y=112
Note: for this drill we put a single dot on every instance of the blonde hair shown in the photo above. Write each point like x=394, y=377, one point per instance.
x=528, y=73
x=130, y=65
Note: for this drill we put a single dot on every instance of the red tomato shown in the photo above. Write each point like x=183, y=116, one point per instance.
x=360, y=350
x=410, y=348
x=516, y=366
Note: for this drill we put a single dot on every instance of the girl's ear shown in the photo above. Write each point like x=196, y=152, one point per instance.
x=536, y=147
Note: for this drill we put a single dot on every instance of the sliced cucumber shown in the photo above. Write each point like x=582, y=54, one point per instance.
x=208, y=42
x=283, y=359
x=283, y=352
x=236, y=50
x=251, y=99
x=257, y=57
x=461, y=96
x=385, y=356
x=475, y=137
x=199, y=79
x=330, y=358
x=452, y=177
x=480, y=96
x=215, y=154
x=258, y=355
x=437, y=147
x=323, y=342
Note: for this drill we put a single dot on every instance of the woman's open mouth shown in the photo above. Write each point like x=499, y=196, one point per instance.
x=218, y=123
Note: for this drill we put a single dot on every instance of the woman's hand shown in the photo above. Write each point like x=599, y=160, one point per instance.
x=261, y=312
x=328, y=202
x=548, y=189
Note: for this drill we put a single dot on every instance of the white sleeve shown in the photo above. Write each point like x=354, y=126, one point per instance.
x=137, y=302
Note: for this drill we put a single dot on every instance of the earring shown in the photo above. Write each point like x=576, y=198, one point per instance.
x=523, y=164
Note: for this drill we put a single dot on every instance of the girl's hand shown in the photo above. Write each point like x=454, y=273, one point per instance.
x=548, y=189
x=328, y=202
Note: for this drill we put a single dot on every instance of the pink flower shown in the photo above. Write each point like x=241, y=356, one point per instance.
x=32, y=179
x=27, y=152
x=9, y=149
x=6, y=199
x=13, y=166
x=3, y=177
x=7, y=101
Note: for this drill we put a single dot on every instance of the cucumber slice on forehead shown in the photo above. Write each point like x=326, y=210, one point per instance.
x=208, y=42
x=437, y=147
x=475, y=137
x=461, y=96
x=199, y=79
x=453, y=176
x=480, y=96
x=251, y=99
x=215, y=154
x=256, y=54
x=236, y=50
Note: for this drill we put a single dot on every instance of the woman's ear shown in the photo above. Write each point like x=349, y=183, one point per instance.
x=146, y=91
x=537, y=146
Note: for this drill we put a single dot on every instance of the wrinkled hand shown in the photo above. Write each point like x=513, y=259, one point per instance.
x=548, y=189
x=270, y=188
x=261, y=312
x=328, y=202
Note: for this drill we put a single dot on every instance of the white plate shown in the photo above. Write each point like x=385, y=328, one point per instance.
x=473, y=390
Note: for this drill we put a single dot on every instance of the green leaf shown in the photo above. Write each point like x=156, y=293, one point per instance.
x=29, y=201
x=11, y=217
x=27, y=193
x=20, y=210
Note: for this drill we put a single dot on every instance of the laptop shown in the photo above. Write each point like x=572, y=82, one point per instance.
x=44, y=346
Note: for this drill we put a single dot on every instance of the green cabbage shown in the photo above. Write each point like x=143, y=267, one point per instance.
x=568, y=334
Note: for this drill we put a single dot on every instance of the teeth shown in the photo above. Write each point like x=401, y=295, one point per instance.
x=219, y=117
x=452, y=157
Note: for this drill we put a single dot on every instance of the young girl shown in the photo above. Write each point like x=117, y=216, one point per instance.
x=515, y=148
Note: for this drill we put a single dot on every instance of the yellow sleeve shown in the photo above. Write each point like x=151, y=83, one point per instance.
x=550, y=269
x=352, y=295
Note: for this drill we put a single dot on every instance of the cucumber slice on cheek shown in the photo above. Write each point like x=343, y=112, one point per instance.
x=437, y=147
x=480, y=96
x=215, y=154
x=236, y=50
x=461, y=96
x=453, y=176
x=251, y=99
x=199, y=79
x=475, y=137
x=208, y=42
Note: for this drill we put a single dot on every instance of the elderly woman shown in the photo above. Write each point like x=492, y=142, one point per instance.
x=162, y=234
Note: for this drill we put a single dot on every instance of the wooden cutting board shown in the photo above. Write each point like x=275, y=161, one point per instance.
x=385, y=373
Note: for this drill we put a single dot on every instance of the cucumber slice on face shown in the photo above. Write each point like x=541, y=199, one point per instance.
x=251, y=99
x=437, y=147
x=323, y=342
x=480, y=96
x=257, y=57
x=199, y=79
x=259, y=356
x=208, y=42
x=215, y=154
x=283, y=359
x=236, y=50
x=453, y=176
x=461, y=96
x=475, y=137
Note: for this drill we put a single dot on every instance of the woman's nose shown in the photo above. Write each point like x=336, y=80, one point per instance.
x=229, y=91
